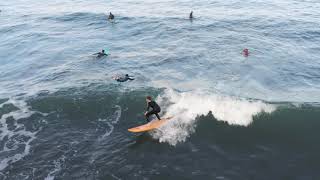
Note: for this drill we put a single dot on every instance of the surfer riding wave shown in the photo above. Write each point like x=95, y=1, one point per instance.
x=155, y=108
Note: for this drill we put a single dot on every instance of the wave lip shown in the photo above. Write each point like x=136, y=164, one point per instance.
x=187, y=106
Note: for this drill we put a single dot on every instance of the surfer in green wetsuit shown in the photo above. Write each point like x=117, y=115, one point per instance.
x=154, y=106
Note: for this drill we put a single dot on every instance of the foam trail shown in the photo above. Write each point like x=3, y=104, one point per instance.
x=186, y=106
x=114, y=119
x=116, y=115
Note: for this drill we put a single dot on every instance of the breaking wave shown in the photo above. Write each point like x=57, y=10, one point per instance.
x=187, y=106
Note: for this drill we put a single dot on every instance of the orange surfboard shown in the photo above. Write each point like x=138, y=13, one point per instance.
x=154, y=124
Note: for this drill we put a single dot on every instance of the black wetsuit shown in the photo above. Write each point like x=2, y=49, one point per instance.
x=191, y=15
x=101, y=54
x=111, y=16
x=155, y=110
x=124, y=79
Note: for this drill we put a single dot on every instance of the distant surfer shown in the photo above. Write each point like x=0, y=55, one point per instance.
x=154, y=106
x=123, y=78
x=245, y=52
x=191, y=15
x=101, y=54
x=111, y=16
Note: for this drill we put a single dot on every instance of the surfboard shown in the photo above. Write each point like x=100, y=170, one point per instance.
x=154, y=124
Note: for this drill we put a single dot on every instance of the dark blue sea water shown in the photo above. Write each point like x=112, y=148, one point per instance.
x=62, y=116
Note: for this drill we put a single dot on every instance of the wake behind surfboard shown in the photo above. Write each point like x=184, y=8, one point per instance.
x=149, y=126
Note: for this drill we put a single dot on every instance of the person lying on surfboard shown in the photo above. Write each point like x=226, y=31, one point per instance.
x=101, y=54
x=155, y=108
x=122, y=78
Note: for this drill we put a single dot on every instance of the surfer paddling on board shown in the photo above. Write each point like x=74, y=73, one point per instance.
x=101, y=54
x=155, y=108
x=125, y=78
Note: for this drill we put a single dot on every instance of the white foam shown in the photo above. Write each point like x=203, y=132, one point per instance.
x=57, y=167
x=116, y=115
x=23, y=111
x=4, y=103
x=186, y=106
x=111, y=121
x=16, y=157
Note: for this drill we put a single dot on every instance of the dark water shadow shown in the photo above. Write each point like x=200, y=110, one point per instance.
x=142, y=139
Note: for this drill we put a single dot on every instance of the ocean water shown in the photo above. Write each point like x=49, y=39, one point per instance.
x=62, y=116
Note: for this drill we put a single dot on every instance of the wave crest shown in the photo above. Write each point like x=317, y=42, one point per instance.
x=187, y=106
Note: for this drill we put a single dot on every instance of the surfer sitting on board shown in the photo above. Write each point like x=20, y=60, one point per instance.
x=111, y=16
x=101, y=54
x=155, y=108
x=191, y=15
